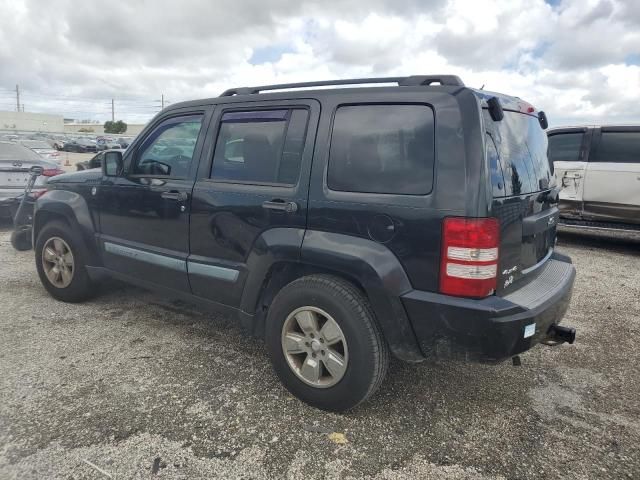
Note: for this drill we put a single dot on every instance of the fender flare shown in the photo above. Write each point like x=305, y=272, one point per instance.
x=272, y=246
x=372, y=265
x=381, y=275
x=75, y=210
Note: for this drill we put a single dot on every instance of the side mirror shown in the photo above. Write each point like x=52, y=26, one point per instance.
x=542, y=118
x=112, y=165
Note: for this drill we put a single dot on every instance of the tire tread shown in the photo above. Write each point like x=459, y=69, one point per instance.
x=358, y=301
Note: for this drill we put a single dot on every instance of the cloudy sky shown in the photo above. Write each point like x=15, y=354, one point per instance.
x=579, y=60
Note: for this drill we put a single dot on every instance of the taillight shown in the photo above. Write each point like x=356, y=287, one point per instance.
x=52, y=172
x=469, y=264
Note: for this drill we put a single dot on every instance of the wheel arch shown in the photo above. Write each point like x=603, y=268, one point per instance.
x=72, y=209
x=368, y=265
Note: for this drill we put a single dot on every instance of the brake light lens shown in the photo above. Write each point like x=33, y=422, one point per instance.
x=52, y=172
x=469, y=264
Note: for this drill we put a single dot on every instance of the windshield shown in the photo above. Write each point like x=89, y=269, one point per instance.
x=11, y=151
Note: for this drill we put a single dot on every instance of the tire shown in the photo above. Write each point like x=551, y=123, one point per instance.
x=21, y=239
x=72, y=288
x=364, y=351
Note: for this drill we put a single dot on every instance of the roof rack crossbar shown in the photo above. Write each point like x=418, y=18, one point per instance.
x=413, y=80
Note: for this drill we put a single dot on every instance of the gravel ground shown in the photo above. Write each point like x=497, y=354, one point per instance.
x=131, y=385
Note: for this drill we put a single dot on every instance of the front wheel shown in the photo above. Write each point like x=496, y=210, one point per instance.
x=60, y=263
x=324, y=343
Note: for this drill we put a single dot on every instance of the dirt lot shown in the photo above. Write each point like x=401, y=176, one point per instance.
x=131, y=385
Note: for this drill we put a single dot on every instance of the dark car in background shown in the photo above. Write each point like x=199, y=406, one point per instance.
x=15, y=162
x=94, y=162
x=80, y=145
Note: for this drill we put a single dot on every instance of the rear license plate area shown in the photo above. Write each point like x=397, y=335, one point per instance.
x=14, y=179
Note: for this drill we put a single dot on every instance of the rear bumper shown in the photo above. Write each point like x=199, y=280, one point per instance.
x=494, y=328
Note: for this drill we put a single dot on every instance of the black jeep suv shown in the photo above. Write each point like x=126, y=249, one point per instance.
x=339, y=224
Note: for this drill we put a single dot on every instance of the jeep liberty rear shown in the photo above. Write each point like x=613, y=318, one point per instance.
x=340, y=225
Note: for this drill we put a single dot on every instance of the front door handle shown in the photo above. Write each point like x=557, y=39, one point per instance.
x=174, y=195
x=281, y=205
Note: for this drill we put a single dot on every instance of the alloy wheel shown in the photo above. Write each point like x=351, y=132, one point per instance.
x=57, y=262
x=315, y=347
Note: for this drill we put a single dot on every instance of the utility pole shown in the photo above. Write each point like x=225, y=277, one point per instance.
x=162, y=102
x=113, y=114
x=18, y=97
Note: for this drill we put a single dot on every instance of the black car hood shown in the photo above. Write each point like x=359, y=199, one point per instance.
x=82, y=176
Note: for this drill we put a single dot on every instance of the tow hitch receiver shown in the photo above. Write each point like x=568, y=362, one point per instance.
x=558, y=335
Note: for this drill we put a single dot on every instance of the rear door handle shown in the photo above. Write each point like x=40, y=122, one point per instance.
x=281, y=205
x=174, y=195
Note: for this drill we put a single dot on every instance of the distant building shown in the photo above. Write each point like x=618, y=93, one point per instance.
x=32, y=122
x=43, y=122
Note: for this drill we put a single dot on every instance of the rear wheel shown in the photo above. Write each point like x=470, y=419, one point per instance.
x=324, y=342
x=60, y=263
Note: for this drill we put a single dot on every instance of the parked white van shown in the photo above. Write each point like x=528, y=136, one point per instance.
x=598, y=168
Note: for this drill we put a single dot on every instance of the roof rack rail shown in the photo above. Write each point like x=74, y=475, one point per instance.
x=410, y=81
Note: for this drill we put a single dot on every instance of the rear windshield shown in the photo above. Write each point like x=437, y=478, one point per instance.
x=11, y=151
x=521, y=145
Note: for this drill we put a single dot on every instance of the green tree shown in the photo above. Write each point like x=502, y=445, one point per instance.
x=115, y=127
x=86, y=130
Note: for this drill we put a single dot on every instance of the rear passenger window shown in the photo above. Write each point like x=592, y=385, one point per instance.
x=565, y=147
x=382, y=149
x=617, y=147
x=263, y=146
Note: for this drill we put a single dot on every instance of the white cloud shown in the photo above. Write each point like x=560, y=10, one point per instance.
x=577, y=60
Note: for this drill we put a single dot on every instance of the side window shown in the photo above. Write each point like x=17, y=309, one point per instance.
x=382, y=149
x=565, y=147
x=495, y=169
x=617, y=147
x=262, y=146
x=168, y=151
